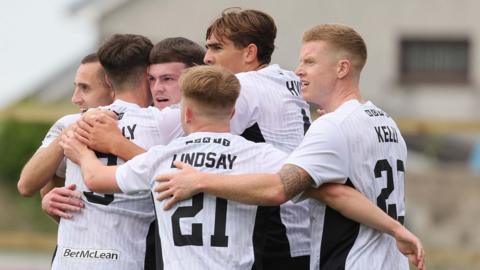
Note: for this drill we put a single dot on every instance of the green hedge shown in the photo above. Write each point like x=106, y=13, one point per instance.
x=18, y=141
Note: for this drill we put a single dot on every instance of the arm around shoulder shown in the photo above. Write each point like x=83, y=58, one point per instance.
x=98, y=177
x=259, y=189
x=40, y=169
x=354, y=205
x=125, y=149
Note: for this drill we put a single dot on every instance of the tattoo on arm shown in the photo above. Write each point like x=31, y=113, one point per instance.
x=294, y=179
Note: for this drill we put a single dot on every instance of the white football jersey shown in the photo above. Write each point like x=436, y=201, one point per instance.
x=270, y=109
x=204, y=232
x=53, y=134
x=361, y=146
x=111, y=231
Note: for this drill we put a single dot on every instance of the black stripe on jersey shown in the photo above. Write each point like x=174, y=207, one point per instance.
x=54, y=253
x=158, y=247
x=270, y=240
x=306, y=121
x=150, y=254
x=276, y=243
x=258, y=237
x=339, y=235
x=253, y=134
x=269, y=234
x=157, y=244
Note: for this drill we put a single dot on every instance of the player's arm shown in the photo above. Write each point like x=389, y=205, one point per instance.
x=258, y=189
x=275, y=189
x=40, y=169
x=354, y=205
x=56, y=181
x=97, y=177
x=99, y=130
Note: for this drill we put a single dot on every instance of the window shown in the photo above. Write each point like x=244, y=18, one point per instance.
x=434, y=60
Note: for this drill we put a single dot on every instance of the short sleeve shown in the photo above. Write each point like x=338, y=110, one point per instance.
x=169, y=123
x=62, y=168
x=323, y=153
x=57, y=128
x=136, y=174
x=272, y=158
x=246, y=107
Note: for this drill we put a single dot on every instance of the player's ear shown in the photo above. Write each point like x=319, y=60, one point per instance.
x=108, y=82
x=250, y=53
x=188, y=114
x=343, y=68
x=112, y=94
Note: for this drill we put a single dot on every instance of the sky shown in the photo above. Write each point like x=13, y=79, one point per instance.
x=38, y=39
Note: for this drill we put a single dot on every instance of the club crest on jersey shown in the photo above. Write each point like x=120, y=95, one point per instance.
x=119, y=115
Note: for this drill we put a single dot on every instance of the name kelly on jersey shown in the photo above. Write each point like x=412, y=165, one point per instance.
x=385, y=134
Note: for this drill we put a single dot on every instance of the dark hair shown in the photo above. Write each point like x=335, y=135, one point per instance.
x=177, y=49
x=90, y=58
x=93, y=58
x=124, y=58
x=244, y=27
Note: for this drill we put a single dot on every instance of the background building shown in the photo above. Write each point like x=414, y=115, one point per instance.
x=423, y=68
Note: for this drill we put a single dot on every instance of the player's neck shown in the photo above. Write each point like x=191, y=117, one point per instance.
x=131, y=97
x=260, y=66
x=253, y=66
x=341, y=96
x=208, y=127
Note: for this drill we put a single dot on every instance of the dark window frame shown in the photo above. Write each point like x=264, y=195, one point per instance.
x=430, y=65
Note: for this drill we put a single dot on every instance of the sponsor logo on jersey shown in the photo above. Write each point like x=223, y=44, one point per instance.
x=93, y=254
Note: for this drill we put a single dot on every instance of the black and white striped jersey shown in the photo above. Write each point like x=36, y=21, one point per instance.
x=270, y=109
x=204, y=232
x=111, y=231
x=361, y=146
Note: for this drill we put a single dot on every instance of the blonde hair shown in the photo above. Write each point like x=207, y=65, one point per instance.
x=341, y=38
x=211, y=87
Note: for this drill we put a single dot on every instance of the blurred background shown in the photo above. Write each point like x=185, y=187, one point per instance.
x=423, y=68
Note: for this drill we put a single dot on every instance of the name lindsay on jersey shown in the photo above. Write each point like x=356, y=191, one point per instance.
x=207, y=159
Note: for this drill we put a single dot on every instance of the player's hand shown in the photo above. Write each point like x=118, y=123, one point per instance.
x=72, y=148
x=62, y=201
x=99, y=130
x=177, y=186
x=93, y=115
x=411, y=247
